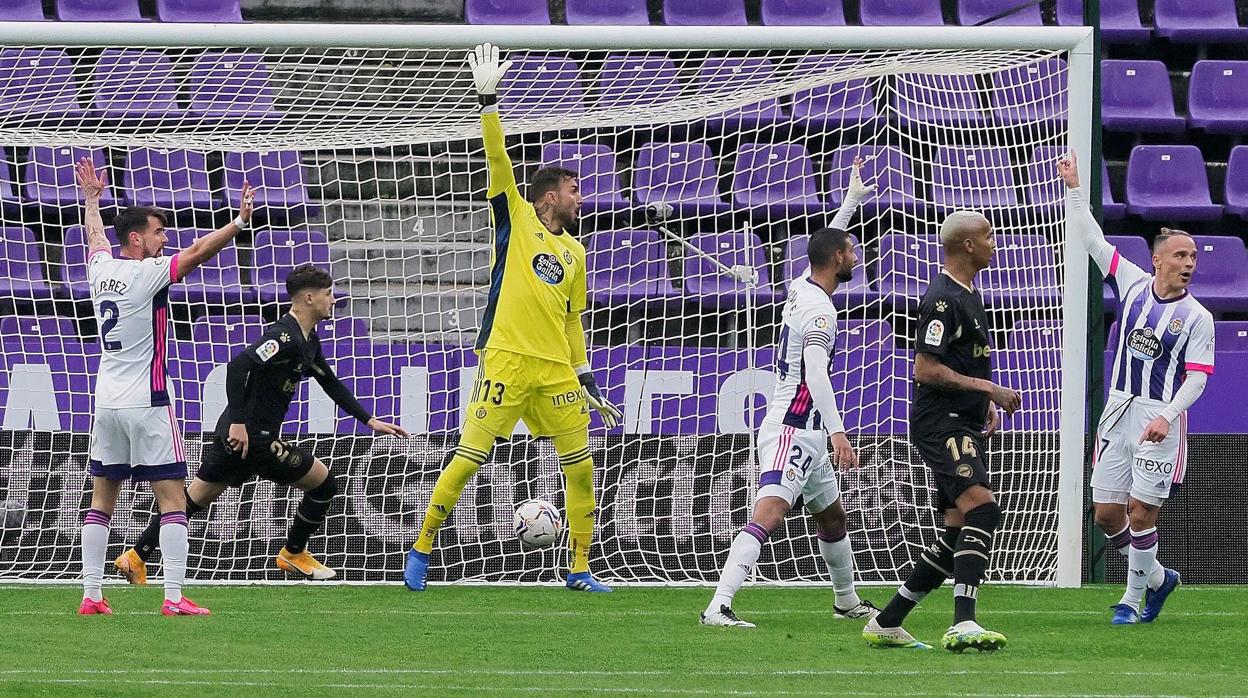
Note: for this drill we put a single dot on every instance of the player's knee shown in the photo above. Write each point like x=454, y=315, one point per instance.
x=985, y=517
x=325, y=491
x=830, y=524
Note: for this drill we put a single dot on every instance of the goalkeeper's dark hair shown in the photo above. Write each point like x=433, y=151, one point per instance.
x=132, y=219
x=824, y=244
x=1167, y=233
x=548, y=179
x=307, y=277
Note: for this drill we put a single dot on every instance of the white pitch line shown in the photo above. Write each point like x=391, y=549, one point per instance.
x=596, y=612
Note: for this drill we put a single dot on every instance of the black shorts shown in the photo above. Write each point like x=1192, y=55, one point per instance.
x=270, y=459
x=956, y=458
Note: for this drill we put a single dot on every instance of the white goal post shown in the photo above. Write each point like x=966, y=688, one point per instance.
x=366, y=140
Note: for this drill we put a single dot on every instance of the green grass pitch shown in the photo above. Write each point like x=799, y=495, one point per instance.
x=489, y=641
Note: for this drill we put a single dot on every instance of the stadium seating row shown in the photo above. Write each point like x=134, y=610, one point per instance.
x=1186, y=21
x=123, y=11
x=1136, y=97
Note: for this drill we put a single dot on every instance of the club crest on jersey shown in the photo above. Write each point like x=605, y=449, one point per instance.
x=940, y=306
x=548, y=268
x=965, y=470
x=268, y=350
x=567, y=256
x=791, y=474
x=935, y=333
x=1143, y=344
x=481, y=413
x=1176, y=325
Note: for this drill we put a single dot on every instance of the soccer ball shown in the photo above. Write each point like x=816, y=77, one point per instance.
x=538, y=523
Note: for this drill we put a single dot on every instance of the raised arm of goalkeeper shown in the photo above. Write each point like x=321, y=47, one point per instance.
x=854, y=196
x=487, y=71
x=1079, y=217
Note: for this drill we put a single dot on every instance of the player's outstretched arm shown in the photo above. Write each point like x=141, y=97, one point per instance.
x=343, y=397
x=1079, y=217
x=854, y=196
x=816, y=358
x=487, y=70
x=92, y=183
x=206, y=247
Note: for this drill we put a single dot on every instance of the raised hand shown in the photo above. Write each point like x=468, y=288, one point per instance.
x=857, y=189
x=487, y=68
x=248, y=201
x=1068, y=168
x=90, y=180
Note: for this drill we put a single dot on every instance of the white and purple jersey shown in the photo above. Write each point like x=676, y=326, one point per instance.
x=809, y=320
x=131, y=301
x=1159, y=341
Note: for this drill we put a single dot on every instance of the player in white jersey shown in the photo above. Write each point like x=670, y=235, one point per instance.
x=793, y=440
x=134, y=434
x=1163, y=358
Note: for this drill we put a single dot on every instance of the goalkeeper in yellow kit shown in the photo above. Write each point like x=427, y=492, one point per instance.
x=532, y=345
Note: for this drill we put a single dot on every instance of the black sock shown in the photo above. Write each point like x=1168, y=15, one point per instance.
x=933, y=567
x=149, y=541
x=971, y=558
x=310, y=515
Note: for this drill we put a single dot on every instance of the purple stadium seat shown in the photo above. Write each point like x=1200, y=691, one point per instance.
x=1135, y=96
x=1120, y=20
x=1228, y=335
x=506, y=12
x=701, y=13
x=171, y=179
x=887, y=13
x=616, y=12
x=1198, y=21
x=808, y=13
x=947, y=100
x=627, y=266
x=907, y=265
x=73, y=264
x=1034, y=335
x=973, y=178
x=278, y=175
x=226, y=86
x=21, y=266
x=1043, y=188
x=777, y=180
x=841, y=104
x=9, y=199
x=1237, y=182
x=636, y=80
x=49, y=176
x=1217, y=97
x=224, y=335
x=198, y=11
x=1024, y=266
x=1029, y=93
x=36, y=326
x=972, y=12
x=1221, y=278
x=887, y=167
x=98, y=11
x=1111, y=209
x=37, y=82
x=216, y=282
x=724, y=77
x=22, y=11
x=1168, y=182
x=596, y=169
x=865, y=334
x=548, y=84
x=857, y=291
x=134, y=83
x=711, y=288
x=277, y=252
x=343, y=327
x=684, y=175
x=1132, y=248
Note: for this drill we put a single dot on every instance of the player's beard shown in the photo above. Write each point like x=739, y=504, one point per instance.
x=845, y=275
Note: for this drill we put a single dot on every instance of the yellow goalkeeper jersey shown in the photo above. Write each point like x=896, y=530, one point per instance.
x=537, y=278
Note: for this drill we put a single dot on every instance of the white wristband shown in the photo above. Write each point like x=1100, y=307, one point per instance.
x=241, y=224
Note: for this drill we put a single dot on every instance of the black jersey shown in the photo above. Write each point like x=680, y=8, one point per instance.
x=262, y=379
x=953, y=326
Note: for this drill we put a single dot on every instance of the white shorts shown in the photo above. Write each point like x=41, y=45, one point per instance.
x=138, y=443
x=794, y=462
x=1122, y=466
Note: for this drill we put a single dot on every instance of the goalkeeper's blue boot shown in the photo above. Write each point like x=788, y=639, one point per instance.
x=1124, y=615
x=584, y=581
x=1154, y=600
x=415, y=570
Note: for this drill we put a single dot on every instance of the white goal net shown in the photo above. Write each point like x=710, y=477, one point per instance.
x=370, y=164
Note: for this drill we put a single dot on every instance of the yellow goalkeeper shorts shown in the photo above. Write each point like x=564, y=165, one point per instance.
x=511, y=386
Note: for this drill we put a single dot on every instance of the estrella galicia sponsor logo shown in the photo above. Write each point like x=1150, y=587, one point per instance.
x=1160, y=467
x=1143, y=344
x=548, y=268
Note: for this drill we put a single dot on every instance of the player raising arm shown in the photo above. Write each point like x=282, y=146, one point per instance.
x=793, y=440
x=952, y=413
x=134, y=434
x=260, y=382
x=533, y=360
x=1162, y=361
